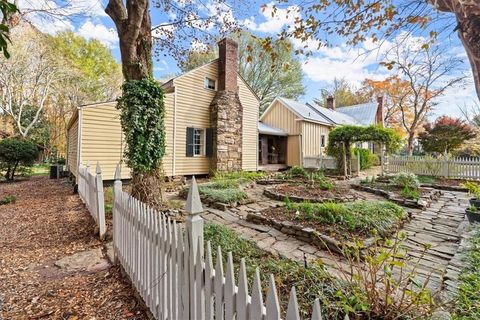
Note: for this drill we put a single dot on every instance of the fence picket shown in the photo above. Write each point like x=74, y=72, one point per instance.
x=256, y=305
x=242, y=294
x=219, y=286
x=273, y=306
x=317, y=312
x=208, y=283
x=230, y=295
x=292, y=308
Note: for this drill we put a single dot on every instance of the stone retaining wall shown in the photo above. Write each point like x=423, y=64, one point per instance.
x=272, y=194
x=421, y=203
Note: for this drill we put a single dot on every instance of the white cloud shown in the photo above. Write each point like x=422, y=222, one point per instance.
x=275, y=23
x=107, y=36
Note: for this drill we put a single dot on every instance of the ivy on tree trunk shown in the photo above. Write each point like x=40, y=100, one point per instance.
x=134, y=28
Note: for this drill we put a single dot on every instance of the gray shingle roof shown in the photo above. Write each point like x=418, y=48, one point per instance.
x=364, y=113
x=266, y=129
x=305, y=111
x=336, y=117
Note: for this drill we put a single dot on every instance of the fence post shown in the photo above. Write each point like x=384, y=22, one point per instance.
x=87, y=184
x=193, y=208
x=358, y=161
x=445, y=168
x=117, y=190
x=100, y=201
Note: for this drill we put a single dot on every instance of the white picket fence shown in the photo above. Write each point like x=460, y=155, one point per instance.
x=448, y=167
x=90, y=189
x=327, y=162
x=166, y=264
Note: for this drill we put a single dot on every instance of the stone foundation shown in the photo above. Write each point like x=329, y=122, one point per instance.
x=226, y=122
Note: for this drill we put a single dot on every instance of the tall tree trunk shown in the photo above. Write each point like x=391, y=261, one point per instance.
x=467, y=13
x=134, y=29
x=411, y=136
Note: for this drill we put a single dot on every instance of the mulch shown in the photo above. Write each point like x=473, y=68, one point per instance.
x=46, y=223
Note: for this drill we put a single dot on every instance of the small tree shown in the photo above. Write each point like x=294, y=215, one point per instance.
x=16, y=153
x=445, y=134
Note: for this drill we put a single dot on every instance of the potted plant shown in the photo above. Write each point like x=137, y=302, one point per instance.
x=473, y=189
x=473, y=214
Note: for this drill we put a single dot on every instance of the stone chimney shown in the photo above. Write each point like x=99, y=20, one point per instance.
x=226, y=112
x=331, y=102
x=380, y=117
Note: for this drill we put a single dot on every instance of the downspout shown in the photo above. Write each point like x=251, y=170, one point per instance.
x=174, y=129
x=79, y=139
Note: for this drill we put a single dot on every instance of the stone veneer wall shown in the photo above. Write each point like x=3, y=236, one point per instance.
x=226, y=112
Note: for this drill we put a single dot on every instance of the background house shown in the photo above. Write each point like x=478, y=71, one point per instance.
x=289, y=130
x=211, y=124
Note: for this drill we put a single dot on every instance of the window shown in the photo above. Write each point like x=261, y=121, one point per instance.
x=322, y=141
x=198, y=142
x=210, y=84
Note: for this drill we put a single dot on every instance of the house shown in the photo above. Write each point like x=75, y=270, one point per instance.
x=290, y=131
x=211, y=124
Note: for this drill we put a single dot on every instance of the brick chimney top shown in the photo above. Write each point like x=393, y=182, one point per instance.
x=227, y=67
x=380, y=118
x=331, y=102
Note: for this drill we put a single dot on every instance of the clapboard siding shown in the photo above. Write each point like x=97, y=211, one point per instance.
x=280, y=117
x=193, y=110
x=72, y=148
x=102, y=138
x=251, y=106
x=311, y=138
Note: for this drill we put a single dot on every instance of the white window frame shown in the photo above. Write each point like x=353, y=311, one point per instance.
x=205, y=83
x=203, y=138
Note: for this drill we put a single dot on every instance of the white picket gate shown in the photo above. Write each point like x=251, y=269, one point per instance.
x=448, y=167
x=90, y=189
x=328, y=162
x=166, y=264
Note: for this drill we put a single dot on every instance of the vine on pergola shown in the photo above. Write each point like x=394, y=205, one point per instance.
x=341, y=138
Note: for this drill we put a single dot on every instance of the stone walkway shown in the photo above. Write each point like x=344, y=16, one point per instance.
x=440, y=226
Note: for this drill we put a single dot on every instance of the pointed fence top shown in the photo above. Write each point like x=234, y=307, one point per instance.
x=118, y=173
x=194, y=204
x=98, y=170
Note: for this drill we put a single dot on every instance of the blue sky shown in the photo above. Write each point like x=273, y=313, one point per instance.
x=354, y=64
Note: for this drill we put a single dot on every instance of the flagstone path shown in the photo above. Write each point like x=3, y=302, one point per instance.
x=440, y=226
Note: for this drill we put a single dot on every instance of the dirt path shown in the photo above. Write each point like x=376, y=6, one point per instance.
x=48, y=223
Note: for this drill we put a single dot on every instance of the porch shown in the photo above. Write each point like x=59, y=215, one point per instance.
x=272, y=148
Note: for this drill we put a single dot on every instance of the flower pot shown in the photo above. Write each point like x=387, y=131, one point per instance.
x=475, y=202
x=473, y=216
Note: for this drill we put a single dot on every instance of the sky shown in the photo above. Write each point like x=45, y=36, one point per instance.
x=88, y=19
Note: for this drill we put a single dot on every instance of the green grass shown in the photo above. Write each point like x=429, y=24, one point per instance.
x=412, y=194
x=39, y=170
x=467, y=302
x=427, y=179
x=8, y=200
x=108, y=197
x=311, y=282
x=363, y=216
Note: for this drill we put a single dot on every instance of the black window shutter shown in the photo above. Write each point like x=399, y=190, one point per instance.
x=209, y=142
x=190, y=142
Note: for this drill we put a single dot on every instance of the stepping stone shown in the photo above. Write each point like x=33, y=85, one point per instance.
x=86, y=261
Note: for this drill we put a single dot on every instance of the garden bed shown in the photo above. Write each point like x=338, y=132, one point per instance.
x=301, y=192
x=392, y=193
x=333, y=226
x=439, y=183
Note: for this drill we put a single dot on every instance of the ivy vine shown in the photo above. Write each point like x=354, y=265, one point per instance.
x=142, y=115
x=341, y=138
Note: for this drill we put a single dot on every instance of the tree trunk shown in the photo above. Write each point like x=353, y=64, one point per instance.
x=467, y=13
x=411, y=136
x=134, y=29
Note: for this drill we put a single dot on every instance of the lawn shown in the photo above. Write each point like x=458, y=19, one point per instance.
x=42, y=169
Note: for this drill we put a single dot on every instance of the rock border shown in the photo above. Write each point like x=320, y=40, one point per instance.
x=422, y=203
x=269, y=193
x=311, y=236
